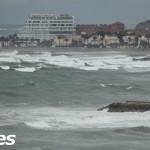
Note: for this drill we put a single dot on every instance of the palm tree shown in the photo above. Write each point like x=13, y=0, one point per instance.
x=52, y=42
x=15, y=35
x=32, y=40
x=137, y=40
x=66, y=40
x=80, y=42
x=94, y=39
x=85, y=37
x=144, y=43
x=38, y=42
x=75, y=43
x=21, y=40
x=59, y=38
x=10, y=37
x=101, y=33
x=2, y=39
x=7, y=40
x=13, y=39
x=101, y=40
x=129, y=39
x=148, y=36
x=120, y=36
x=17, y=40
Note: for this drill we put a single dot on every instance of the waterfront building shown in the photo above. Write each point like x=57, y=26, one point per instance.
x=47, y=26
x=129, y=39
x=94, y=28
x=61, y=41
x=117, y=27
x=87, y=29
x=144, y=38
x=109, y=40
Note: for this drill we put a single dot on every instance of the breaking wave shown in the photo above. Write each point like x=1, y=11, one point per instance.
x=56, y=119
x=26, y=69
x=80, y=61
x=5, y=67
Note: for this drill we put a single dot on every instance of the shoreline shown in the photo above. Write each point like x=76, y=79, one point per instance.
x=129, y=51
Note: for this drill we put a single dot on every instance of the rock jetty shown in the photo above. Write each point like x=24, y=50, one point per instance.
x=128, y=106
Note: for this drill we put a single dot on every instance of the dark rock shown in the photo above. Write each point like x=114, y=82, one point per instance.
x=128, y=106
x=142, y=59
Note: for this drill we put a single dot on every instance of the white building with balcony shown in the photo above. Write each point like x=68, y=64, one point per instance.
x=47, y=26
x=108, y=40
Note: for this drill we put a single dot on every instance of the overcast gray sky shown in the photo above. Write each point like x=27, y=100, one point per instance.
x=130, y=12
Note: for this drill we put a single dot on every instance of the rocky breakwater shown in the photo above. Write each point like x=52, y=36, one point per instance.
x=128, y=106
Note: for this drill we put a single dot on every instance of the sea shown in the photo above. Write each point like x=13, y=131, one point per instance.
x=6, y=29
x=49, y=100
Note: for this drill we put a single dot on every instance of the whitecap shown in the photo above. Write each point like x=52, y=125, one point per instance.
x=102, y=85
x=26, y=69
x=105, y=110
x=9, y=53
x=129, y=88
x=61, y=119
x=37, y=124
x=9, y=59
x=93, y=63
x=5, y=67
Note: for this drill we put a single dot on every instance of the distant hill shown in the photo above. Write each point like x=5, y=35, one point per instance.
x=143, y=25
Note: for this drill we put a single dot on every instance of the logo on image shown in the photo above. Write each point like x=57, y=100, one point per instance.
x=7, y=140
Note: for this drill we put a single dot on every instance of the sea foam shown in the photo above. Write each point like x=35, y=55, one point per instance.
x=62, y=119
x=5, y=67
x=78, y=61
x=26, y=69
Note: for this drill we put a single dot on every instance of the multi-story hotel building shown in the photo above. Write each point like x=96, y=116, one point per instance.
x=47, y=26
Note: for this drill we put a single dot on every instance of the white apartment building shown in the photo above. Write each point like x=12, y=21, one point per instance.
x=47, y=26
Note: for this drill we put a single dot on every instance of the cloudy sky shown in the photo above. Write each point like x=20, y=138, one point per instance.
x=130, y=12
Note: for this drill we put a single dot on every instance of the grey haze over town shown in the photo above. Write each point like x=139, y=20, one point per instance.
x=130, y=12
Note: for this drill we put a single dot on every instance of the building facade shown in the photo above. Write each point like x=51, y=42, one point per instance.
x=94, y=28
x=47, y=26
x=87, y=28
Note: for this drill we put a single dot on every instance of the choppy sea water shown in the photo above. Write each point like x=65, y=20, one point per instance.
x=49, y=100
x=6, y=29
